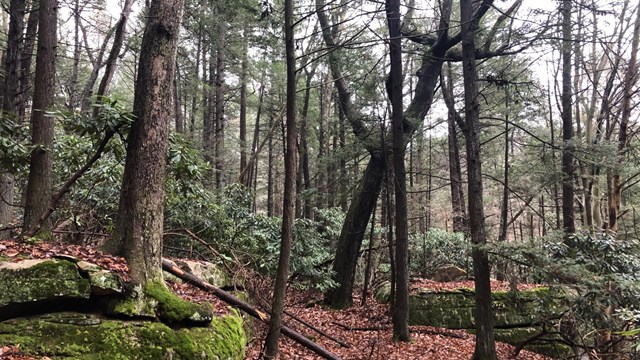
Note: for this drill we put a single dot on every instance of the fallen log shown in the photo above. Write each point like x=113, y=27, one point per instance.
x=172, y=268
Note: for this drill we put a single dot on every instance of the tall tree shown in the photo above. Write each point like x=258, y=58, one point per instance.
x=630, y=77
x=438, y=48
x=400, y=313
x=9, y=105
x=40, y=166
x=485, y=342
x=568, y=216
x=288, y=202
x=138, y=233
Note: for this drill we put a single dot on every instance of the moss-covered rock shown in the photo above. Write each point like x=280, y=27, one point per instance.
x=103, y=282
x=157, y=301
x=517, y=315
x=79, y=336
x=455, y=309
x=31, y=282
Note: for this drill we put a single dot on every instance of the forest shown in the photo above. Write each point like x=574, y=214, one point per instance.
x=417, y=179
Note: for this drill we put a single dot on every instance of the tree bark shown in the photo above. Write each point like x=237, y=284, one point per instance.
x=288, y=203
x=629, y=82
x=460, y=223
x=219, y=105
x=40, y=166
x=485, y=342
x=355, y=226
x=568, y=215
x=26, y=60
x=10, y=103
x=400, y=314
x=243, y=106
x=138, y=233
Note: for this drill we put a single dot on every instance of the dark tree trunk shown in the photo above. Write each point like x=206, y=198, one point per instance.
x=348, y=248
x=177, y=102
x=458, y=206
x=307, y=204
x=219, y=106
x=568, y=216
x=10, y=103
x=270, y=206
x=400, y=314
x=485, y=342
x=504, y=208
x=623, y=133
x=288, y=203
x=243, y=107
x=40, y=167
x=138, y=233
x=26, y=61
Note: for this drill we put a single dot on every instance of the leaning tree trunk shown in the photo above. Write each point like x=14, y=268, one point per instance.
x=40, y=167
x=138, y=233
x=355, y=224
x=485, y=343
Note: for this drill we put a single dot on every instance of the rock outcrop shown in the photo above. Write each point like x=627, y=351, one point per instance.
x=72, y=309
x=518, y=315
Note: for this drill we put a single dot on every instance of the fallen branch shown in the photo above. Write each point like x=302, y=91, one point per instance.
x=172, y=268
x=303, y=322
x=441, y=333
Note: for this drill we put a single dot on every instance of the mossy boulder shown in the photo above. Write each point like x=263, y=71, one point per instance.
x=103, y=282
x=157, y=301
x=81, y=336
x=30, y=283
x=517, y=315
x=455, y=309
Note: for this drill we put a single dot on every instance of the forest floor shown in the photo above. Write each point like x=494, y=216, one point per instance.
x=366, y=329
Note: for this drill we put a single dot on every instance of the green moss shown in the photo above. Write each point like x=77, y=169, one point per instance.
x=109, y=339
x=36, y=280
x=172, y=309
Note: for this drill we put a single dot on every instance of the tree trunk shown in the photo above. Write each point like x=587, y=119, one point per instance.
x=288, y=203
x=353, y=232
x=138, y=232
x=40, y=166
x=307, y=204
x=568, y=216
x=504, y=208
x=485, y=342
x=400, y=314
x=10, y=104
x=26, y=60
x=219, y=106
x=629, y=82
x=460, y=223
x=243, y=106
x=177, y=102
